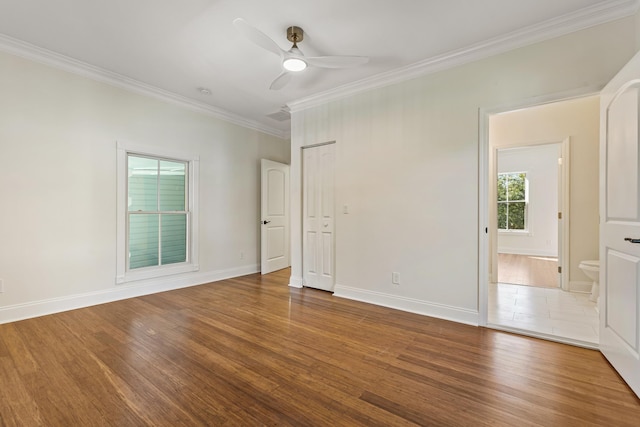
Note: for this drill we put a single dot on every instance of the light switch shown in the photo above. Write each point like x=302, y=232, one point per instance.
x=395, y=278
x=345, y=209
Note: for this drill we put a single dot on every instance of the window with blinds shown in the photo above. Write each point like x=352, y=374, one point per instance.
x=157, y=211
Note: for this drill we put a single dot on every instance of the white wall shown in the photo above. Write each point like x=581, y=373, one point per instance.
x=541, y=165
x=577, y=120
x=407, y=166
x=58, y=134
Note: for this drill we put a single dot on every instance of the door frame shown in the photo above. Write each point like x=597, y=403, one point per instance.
x=484, y=113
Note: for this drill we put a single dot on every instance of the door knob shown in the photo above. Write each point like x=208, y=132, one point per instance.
x=266, y=222
x=630, y=240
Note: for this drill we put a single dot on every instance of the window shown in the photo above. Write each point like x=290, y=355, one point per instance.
x=157, y=199
x=157, y=219
x=513, y=198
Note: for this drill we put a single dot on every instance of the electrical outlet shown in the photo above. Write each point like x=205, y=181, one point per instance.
x=1, y=286
x=395, y=278
x=241, y=255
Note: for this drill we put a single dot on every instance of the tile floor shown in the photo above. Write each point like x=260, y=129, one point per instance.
x=548, y=311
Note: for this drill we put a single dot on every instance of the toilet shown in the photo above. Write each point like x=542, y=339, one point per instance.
x=592, y=269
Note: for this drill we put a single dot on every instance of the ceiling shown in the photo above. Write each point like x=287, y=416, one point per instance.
x=172, y=48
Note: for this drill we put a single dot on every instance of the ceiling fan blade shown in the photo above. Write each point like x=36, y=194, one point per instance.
x=281, y=81
x=257, y=36
x=336, y=61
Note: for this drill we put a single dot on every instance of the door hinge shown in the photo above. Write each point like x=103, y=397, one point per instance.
x=560, y=270
x=559, y=215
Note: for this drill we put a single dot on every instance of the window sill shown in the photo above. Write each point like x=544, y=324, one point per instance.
x=152, y=273
x=515, y=232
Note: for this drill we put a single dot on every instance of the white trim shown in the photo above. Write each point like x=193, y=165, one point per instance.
x=29, y=310
x=151, y=150
x=565, y=207
x=320, y=144
x=527, y=252
x=584, y=18
x=511, y=232
x=34, y=53
x=124, y=276
x=426, y=308
x=576, y=93
x=483, y=217
x=295, y=282
x=583, y=287
x=155, y=272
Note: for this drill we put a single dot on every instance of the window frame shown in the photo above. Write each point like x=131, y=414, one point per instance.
x=123, y=273
x=525, y=230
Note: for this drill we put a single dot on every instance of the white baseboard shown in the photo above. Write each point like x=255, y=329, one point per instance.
x=295, y=282
x=441, y=311
x=528, y=252
x=29, y=310
x=580, y=286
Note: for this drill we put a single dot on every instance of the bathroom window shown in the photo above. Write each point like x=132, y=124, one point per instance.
x=513, y=201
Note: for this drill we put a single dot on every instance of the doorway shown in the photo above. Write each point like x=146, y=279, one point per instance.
x=556, y=313
x=530, y=200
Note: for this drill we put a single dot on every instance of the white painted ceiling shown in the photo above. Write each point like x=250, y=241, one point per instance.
x=180, y=45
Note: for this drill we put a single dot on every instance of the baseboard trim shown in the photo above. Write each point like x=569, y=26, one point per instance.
x=580, y=286
x=440, y=311
x=527, y=252
x=29, y=310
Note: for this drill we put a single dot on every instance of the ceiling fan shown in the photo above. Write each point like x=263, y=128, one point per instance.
x=293, y=60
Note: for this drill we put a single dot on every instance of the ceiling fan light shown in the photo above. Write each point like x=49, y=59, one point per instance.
x=294, y=64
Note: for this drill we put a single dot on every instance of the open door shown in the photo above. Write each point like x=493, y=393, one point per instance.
x=274, y=236
x=620, y=223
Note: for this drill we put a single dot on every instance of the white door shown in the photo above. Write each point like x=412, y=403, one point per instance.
x=619, y=221
x=318, y=217
x=274, y=236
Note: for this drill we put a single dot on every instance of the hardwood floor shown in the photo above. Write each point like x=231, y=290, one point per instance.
x=528, y=270
x=252, y=351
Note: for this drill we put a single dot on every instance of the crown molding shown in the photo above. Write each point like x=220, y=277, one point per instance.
x=62, y=62
x=584, y=18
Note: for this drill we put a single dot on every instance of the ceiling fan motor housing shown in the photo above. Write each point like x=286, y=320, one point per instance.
x=295, y=34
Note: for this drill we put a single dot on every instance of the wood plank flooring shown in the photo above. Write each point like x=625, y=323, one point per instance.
x=528, y=270
x=251, y=351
